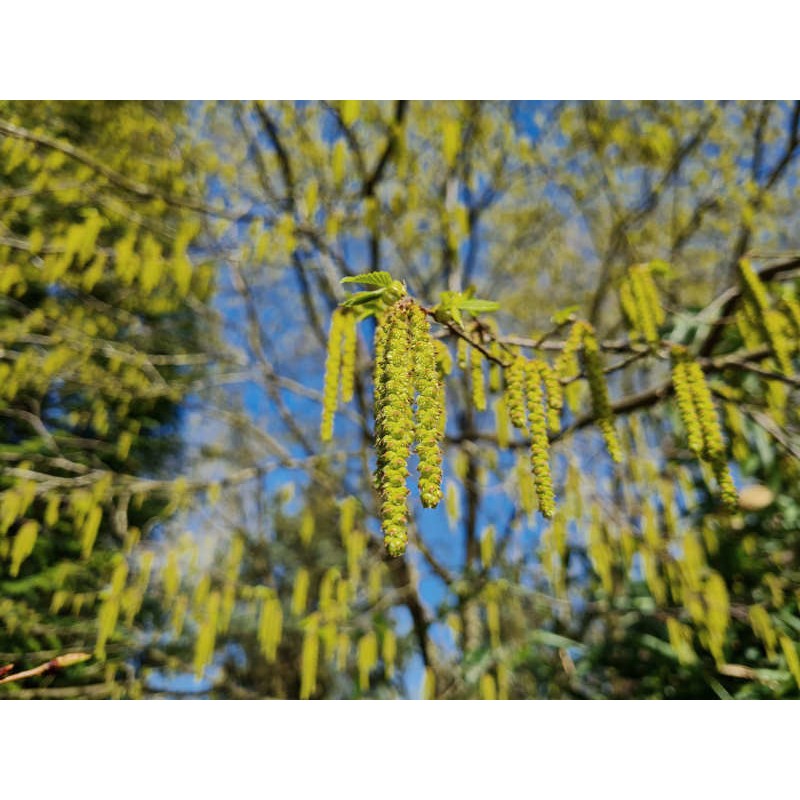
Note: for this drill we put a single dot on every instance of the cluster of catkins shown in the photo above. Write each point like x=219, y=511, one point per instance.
x=340, y=368
x=405, y=372
x=700, y=421
x=767, y=321
x=639, y=300
x=534, y=399
x=582, y=341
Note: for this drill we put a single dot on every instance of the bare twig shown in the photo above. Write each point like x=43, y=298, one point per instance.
x=54, y=664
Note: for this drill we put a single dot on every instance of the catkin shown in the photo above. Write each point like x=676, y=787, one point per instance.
x=515, y=392
x=394, y=420
x=639, y=300
x=309, y=658
x=502, y=422
x=330, y=390
x=429, y=409
x=769, y=322
x=685, y=401
x=713, y=444
x=477, y=380
x=540, y=445
x=270, y=627
x=555, y=396
x=495, y=372
x=367, y=653
x=349, y=352
x=566, y=365
x=601, y=405
x=699, y=417
x=462, y=353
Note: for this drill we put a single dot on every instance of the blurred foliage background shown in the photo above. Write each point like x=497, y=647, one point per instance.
x=167, y=275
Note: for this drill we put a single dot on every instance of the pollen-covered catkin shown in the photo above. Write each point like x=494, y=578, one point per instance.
x=462, y=353
x=429, y=411
x=330, y=390
x=540, y=445
x=394, y=420
x=639, y=300
x=349, y=352
x=768, y=320
x=477, y=380
x=727, y=488
x=685, y=400
x=495, y=372
x=701, y=422
x=601, y=405
x=713, y=443
x=645, y=294
x=515, y=392
x=555, y=396
x=566, y=365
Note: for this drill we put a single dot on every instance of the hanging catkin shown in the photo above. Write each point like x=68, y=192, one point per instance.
x=429, y=410
x=700, y=420
x=394, y=421
x=540, y=445
x=555, y=396
x=685, y=401
x=349, y=352
x=477, y=380
x=601, y=405
x=330, y=390
x=769, y=322
x=515, y=392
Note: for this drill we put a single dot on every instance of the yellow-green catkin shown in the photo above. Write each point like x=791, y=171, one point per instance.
x=487, y=546
x=540, y=444
x=333, y=362
x=270, y=627
x=566, y=365
x=394, y=424
x=462, y=353
x=488, y=688
x=639, y=300
x=515, y=392
x=477, y=380
x=792, y=659
x=685, y=400
x=555, y=396
x=701, y=421
x=792, y=306
x=762, y=626
x=367, y=653
x=309, y=658
x=601, y=405
x=300, y=591
x=567, y=368
x=207, y=635
x=349, y=353
x=429, y=684
x=502, y=422
x=768, y=321
x=429, y=409
x=389, y=652
x=713, y=443
x=495, y=371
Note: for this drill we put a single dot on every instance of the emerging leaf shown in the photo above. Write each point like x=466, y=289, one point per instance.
x=383, y=279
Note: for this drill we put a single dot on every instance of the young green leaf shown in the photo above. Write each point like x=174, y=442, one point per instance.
x=383, y=279
x=359, y=298
x=476, y=306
